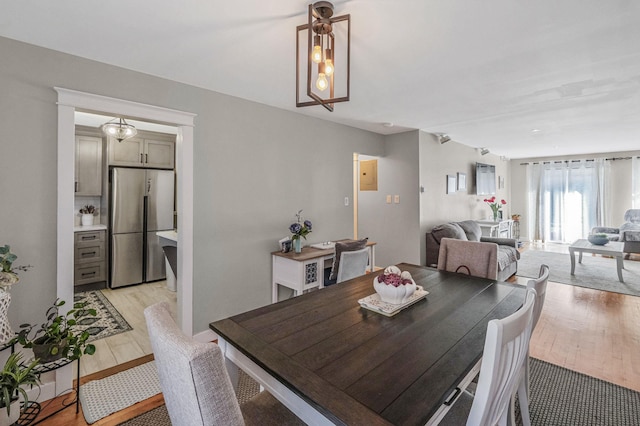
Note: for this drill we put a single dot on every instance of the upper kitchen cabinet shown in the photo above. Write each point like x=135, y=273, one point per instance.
x=147, y=149
x=88, y=161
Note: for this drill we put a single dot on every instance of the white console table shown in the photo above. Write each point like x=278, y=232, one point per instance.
x=501, y=229
x=305, y=270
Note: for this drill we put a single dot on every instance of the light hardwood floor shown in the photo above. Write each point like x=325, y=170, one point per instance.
x=124, y=347
x=590, y=331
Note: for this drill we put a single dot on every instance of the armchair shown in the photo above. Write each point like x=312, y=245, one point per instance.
x=628, y=233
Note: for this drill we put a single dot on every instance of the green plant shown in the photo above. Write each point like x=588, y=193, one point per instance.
x=16, y=374
x=8, y=274
x=57, y=328
x=88, y=209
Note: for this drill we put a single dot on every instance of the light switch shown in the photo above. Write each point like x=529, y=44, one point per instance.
x=346, y=201
x=396, y=199
x=388, y=199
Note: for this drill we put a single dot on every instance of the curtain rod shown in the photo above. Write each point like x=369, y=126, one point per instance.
x=577, y=161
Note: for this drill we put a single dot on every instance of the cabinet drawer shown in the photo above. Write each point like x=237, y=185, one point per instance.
x=90, y=237
x=90, y=273
x=88, y=254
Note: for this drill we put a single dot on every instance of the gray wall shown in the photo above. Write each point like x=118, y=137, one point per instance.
x=396, y=226
x=254, y=167
x=620, y=198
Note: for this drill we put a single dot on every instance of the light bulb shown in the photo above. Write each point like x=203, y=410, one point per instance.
x=321, y=82
x=316, y=54
x=328, y=67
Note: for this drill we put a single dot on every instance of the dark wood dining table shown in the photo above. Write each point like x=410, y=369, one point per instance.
x=332, y=361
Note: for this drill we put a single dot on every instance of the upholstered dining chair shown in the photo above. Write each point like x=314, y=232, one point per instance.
x=353, y=264
x=195, y=383
x=506, y=350
x=469, y=257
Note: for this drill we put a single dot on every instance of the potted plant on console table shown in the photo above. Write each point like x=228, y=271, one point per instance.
x=58, y=337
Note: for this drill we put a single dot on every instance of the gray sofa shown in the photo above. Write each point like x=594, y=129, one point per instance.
x=628, y=232
x=508, y=253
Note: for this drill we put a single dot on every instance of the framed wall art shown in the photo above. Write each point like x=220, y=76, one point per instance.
x=451, y=184
x=462, y=181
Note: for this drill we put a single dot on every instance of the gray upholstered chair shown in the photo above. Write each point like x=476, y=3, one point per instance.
x=469, y=257
x=195, y=383
x=628, y=232
x=352, y=264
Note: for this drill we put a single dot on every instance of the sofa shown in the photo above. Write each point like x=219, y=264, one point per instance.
x=507, y=252
x=628, y=233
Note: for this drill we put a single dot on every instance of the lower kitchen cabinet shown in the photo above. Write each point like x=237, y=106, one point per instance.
x=90, y=259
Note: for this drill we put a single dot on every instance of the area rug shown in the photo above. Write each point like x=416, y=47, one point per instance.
x=595, y=272
x=99, y=398
x=107, y=322
x=559, y=397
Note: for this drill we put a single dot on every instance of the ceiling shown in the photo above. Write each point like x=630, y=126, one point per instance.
x=523, y=79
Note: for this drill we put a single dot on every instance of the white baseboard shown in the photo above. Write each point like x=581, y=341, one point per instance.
x=205, y=336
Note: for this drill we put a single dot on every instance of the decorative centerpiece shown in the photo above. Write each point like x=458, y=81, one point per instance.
x=394, y=286
x=8, y=277
x=87, y=213
x=299, y=229
x=598, y=239
x=495, y=206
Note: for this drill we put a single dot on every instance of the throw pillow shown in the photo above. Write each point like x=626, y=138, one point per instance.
x=448, y=230
x=471, y=229
x=345, y=246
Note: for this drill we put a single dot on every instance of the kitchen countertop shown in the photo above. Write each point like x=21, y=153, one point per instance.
x=96, y=227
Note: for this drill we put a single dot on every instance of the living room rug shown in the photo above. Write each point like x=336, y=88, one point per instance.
x=595, y=272
x=107, y=322
x=559, y=397
x=99, y=398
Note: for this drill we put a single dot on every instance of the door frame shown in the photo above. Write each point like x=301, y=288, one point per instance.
x=68, y=102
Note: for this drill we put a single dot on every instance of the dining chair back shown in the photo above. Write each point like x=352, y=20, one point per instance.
x=469, y=257
x=506, y=350
x=353, y=264
x=195, y=383
x=540, y=286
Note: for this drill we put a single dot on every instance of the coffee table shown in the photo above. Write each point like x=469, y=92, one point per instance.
x=612, y=248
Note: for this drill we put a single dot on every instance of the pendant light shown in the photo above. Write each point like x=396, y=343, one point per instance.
x=119, y=129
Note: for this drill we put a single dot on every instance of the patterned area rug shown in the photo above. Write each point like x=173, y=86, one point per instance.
x=108, y=321
x=99, y=398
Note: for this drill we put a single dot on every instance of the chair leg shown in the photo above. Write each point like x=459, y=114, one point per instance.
x=524, y=404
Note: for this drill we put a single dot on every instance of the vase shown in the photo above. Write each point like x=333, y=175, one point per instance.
x=87, y=219
x=49, y=352
x=9, y=419
x=6, y=333
x=394, y=295
x=297, y=245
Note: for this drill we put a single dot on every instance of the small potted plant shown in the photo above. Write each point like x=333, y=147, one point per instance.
x=13, y=377
x=87, y=213
x=58, y=337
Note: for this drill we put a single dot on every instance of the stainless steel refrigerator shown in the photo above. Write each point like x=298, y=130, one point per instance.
x=141, y=204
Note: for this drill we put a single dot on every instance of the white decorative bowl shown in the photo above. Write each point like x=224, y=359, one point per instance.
x=394, y=295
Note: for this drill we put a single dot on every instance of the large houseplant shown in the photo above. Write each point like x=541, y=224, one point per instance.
x=13, y=377
x=59, y=336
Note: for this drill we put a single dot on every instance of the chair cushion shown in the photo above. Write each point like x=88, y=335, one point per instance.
x=448, y=230
x=345, y=246
x=632, y=215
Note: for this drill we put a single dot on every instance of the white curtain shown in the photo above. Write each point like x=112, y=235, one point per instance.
x=635, y=185
x=566, y=199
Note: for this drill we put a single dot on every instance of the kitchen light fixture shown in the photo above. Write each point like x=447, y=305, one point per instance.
x=119, y=129
x=484, y=151
x=316, y=41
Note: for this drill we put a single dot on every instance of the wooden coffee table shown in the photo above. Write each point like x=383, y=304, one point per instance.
x=612, y=248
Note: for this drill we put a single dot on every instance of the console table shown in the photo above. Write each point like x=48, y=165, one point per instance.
x=305, y=270
x=501, y=229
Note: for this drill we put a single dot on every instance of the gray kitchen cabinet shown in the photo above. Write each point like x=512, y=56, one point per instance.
x=90, y=258
x=88, y=163
x=146, y=149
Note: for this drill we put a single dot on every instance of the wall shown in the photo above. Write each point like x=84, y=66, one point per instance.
x=254, y=167
x=436, y=206
x=620, y=197
x=395, y=227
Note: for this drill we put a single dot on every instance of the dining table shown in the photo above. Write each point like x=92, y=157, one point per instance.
x=332, y=361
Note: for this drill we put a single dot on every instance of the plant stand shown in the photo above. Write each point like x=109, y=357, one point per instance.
x=29, y=414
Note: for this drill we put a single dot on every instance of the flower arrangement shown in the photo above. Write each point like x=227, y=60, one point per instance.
x=300, y=228
x=495, y=206
x=394, y=286
x=88, y=209
x=8, y=274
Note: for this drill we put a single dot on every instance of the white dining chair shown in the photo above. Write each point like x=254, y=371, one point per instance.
x=352, y=264
x=505, y=353
x=540, y=286
x=195, y=383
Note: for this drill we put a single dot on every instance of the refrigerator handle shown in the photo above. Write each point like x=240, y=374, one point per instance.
x=148, y=185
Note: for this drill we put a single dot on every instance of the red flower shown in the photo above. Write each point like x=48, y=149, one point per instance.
x=503, y=201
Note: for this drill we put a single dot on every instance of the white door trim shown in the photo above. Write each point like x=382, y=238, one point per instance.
x=68, y=102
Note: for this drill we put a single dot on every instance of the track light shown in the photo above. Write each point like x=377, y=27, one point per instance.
x=484, y=151
x=443, y=138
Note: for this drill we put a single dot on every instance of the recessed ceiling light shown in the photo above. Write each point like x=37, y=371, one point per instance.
x=387, y=124
x=535, y=130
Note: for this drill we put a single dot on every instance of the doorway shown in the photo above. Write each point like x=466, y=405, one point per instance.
x=68, y=102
